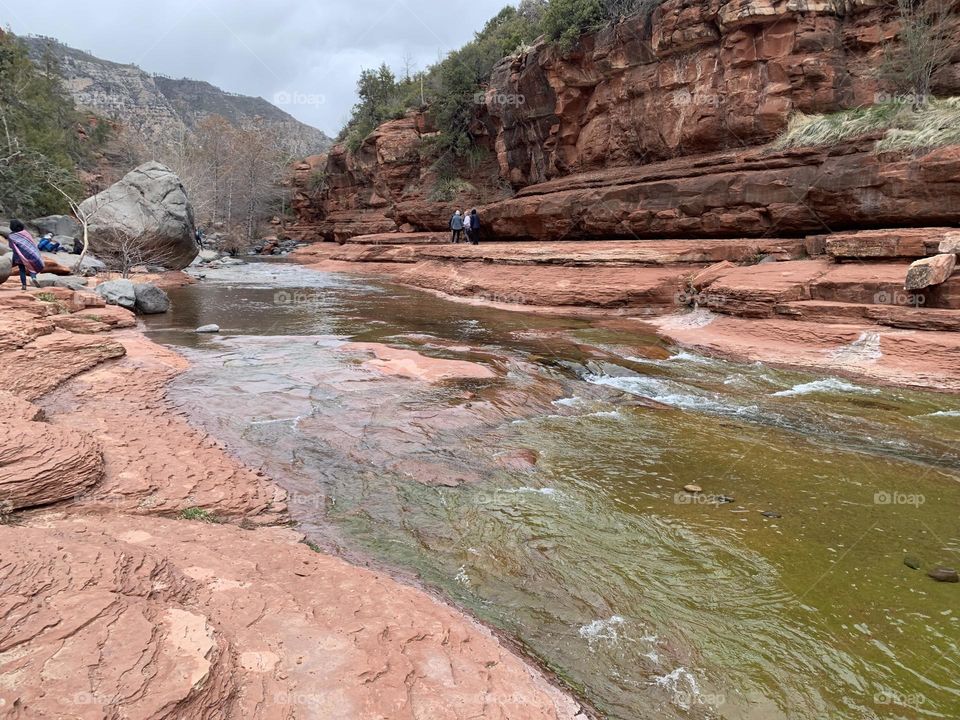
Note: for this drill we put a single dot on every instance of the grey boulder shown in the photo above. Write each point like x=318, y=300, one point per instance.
x=71, y=282
x=58, y=225
x=66, y=242
x=118, y=292
x=150, y=300
x=146, y=212
x=208, y=329
x=5, y=268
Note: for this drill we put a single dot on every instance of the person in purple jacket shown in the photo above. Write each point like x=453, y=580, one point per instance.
x=26, y=254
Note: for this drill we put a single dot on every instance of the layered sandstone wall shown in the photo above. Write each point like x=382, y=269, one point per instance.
x=699, y=76
x=697, y=89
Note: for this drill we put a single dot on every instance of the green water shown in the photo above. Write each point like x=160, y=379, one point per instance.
x=649, y=601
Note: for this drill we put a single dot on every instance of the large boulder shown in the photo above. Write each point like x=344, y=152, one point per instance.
x=146, y=214
x=58, y=225
x=150, y=300
x=5, y=268
x=118, y=292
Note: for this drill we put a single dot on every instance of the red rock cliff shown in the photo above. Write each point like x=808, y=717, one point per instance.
x=701, y=76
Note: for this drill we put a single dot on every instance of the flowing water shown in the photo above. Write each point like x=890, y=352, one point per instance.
x=780, y=591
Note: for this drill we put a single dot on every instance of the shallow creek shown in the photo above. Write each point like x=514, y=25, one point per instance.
x=778, y=592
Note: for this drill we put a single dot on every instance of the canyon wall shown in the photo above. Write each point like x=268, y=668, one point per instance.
x=656, y=127
x=160, y=109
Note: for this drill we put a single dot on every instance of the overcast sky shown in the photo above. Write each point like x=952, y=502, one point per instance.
x=304, y=55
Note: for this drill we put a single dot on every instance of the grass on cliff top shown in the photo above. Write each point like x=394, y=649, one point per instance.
x=906, y=127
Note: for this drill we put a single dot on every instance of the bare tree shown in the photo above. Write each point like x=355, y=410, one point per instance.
x=923, y=47
x=121, y=250
x=85, y=217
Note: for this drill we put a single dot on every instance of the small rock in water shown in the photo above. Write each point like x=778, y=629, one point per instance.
x=771, y=514
x=208, y=329
x=724, y=499
x=944, y=574
x=693, y=489
x=912, y=562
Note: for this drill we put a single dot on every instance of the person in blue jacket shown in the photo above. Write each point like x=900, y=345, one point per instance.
x=456, y=227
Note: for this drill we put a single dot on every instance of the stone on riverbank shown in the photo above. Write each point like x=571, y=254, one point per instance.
x=208, y=329
x=71, y=282
x=118, y=292
x=150, y=300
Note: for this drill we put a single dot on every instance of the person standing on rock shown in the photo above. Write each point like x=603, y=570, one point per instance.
x=456, y=227
x=473, y=233
x=26, y=254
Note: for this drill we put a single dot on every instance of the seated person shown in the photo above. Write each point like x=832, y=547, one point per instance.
x=47, y=244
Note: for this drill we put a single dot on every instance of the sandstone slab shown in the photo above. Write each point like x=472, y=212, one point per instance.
x=412, y=364
x=38, y=466
x=896, y=243
x=930, y=271
x=202, y=620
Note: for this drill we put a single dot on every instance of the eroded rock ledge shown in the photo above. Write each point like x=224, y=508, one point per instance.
x=113, y=604
x=832, y=302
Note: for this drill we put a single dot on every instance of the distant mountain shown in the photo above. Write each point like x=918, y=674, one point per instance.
x=159, y=108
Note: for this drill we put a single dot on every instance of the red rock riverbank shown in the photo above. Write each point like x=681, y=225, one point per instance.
x=832, y=303
x=145, y=573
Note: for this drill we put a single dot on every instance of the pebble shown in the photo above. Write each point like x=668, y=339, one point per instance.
x=724, y=499
x=693, y=489
x=771, y=514
x=944, y=574
x=912, y=562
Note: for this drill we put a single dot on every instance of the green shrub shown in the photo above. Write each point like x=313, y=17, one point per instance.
x=566, y=20
x=196, y=513
x=452, y=87
x=39, y=142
